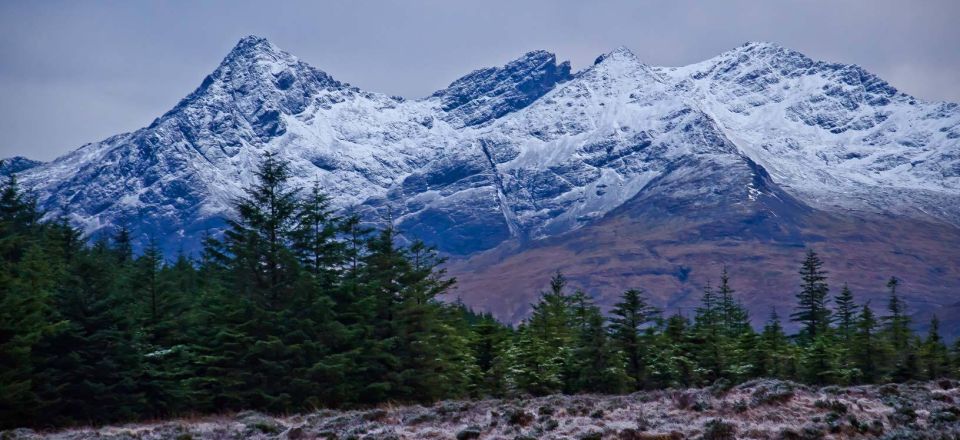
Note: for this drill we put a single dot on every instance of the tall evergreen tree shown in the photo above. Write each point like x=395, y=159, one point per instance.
x=868, y=346
x=845, y=315
x=812, y=312
x=541, y=356
x=934, y=357
x=772, y=355
x=896, y=322
x=631, y=329
x=674, y=361
x=27, y=317
x=709, y=336
x=599, y=365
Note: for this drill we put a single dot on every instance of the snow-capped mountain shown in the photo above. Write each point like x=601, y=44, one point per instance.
x=514, y=155
x=525, y=150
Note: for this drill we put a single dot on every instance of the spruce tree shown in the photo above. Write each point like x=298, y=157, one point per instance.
x=709, y=337
x=868, y=347
x=772, y=355
x=27, y=317
x=534, y=366
x=674, y=356
x=541, y=357
x=897, y=322
x=820, y=361
x=812, y=312
x=91, y=368
x=262, y=330
x=27, y=312
x=845, y=318
x=488, y=344
x=315, y=238
x=599, y=366
x=845, y=315
x=629, y=324
x=934, y=357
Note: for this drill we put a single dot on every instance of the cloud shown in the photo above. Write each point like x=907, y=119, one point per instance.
x=76, y=72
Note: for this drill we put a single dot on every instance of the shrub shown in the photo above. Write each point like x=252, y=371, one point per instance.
x=701, y=405
x=516, y=416
x=546, y=410
x=591, y=436
x=551, y=424
x=831, y=405
x=777, y=392
x=717, y=429
x=470, y=432
x=266, y=428
x=740, y=406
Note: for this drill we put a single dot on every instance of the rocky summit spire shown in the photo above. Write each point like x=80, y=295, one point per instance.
x=489, y=93
x=252, y=47
x=620, y=53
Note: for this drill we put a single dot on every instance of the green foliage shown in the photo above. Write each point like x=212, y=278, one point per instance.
x=812, y=312
x=296, y=306
x=631, y=328
x=934, y=357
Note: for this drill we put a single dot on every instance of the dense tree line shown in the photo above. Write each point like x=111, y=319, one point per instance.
x=296, y=307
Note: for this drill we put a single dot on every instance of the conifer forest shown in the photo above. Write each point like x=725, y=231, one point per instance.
x=297, y=306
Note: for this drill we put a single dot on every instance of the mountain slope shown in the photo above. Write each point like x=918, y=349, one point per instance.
x=834, y=134
x=760, y=149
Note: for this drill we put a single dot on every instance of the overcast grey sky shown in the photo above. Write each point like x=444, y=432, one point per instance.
x=73, y=72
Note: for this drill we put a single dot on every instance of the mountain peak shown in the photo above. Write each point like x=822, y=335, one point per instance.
x=761, y=45
x=252, y=40
x=492, y=92
x=621, y=53
x=253, y=47
x=16, y=164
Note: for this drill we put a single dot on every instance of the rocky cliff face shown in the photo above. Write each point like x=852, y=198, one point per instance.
x=755, y=144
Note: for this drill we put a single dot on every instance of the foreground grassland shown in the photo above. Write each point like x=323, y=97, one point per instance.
x=760, y=409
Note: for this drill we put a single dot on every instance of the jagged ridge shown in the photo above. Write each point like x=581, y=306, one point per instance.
x=524, y=150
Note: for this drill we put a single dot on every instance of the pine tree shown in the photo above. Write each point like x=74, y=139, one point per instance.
x=552, y=317
x=220, y=376
x=488, y=344
x=845, y=318
x=91, y=368
x=122, y=246
x=868, y=347
x=541, y=358
x=631, y=319
x=934, y=358
x=159, y=315
x=599, y=366
x=812, y=312
x=27, y=313
x=820, y=361
x=709, y=336
x=264, y=268
x=315, y=238
x=673, y=363
x=845, y=315
x=897, y=322
x=772, y=355
x=430, y=367
x=533, y=365
x=734, y=318
x=27, y=317
x=262, y=330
